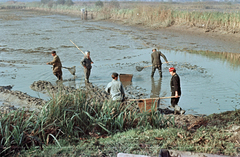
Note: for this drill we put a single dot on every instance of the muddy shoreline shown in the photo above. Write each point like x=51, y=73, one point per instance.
x=194, y=37
x=173, y=38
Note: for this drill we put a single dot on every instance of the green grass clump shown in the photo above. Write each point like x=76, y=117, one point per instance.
x=72, y=116
x=72, y=124
x=145, y=142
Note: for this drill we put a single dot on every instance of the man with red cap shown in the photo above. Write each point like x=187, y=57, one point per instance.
x=175, y=91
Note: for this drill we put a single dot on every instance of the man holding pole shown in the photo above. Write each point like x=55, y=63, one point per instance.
x=86, y=63
x=156, y=61
x=57, y=65
x=175, y=91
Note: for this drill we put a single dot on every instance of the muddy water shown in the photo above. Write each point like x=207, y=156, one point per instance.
x=208, y=85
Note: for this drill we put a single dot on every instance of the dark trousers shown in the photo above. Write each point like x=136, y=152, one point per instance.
x=174, y=101
x=87, y=73
x=154, y=67
x=58, y=74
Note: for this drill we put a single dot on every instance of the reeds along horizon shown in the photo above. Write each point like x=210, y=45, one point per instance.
x=162, y=16
x=157, y=15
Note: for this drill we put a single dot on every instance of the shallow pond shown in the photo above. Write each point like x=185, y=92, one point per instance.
x=209, y=84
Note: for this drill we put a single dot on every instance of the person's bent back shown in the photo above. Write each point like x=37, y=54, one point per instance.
x=115, y=88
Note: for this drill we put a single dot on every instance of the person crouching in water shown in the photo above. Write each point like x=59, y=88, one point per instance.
x=86, y=63
x=115, y=88
x=175, y=91
x=57, y=65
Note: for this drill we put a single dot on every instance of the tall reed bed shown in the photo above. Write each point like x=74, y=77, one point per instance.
x=157, y=15
x=161, y=16
x=72, y=116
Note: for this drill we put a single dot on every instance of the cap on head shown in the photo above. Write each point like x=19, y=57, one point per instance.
x=87, y=52
x=154, y=48
x=53, y=52
x=172, y=69
x=114, y=74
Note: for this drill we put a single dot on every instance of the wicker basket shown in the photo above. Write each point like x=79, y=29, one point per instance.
x=125, y=77
x=149, y=103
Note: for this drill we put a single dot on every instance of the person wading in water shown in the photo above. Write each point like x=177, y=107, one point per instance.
x=57, y=66
x=86, y=63
x=156, y=61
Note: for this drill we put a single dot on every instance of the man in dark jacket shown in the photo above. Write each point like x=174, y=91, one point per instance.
x=86, y=63
x=175, y=91
x=156, y=61
x=57, y=65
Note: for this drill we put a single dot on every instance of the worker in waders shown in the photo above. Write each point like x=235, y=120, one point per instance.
x=156, y=61
x=115, y=88
x=57, y=65
x=87, y=64
x=175, y=91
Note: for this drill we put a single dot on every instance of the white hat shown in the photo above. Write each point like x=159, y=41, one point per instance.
x=87, y=52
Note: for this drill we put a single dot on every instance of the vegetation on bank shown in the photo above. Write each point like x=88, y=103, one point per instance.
x=224, y=16
x=70, y=124
x=72, y=116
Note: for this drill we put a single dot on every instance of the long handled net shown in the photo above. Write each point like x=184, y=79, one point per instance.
x=72, y=70
x=138, y=68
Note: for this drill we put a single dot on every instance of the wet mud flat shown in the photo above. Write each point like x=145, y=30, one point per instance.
x=13, y=100
x=115, y=48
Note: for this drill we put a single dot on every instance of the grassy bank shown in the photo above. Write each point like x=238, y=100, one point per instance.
x=71, y=124
x=72, y=116
x=223, y=16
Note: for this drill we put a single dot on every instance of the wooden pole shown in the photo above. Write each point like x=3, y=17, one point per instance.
x=78, y=47
x=151, y=65
x=169, y=97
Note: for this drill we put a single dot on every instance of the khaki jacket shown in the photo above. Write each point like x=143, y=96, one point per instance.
x=57, y=65
x=155, y=56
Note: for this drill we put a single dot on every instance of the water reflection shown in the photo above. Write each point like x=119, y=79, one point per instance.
x=156, y=87
x=232, y=58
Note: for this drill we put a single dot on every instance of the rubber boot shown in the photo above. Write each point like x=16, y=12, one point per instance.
x=164, y=153
x=152, y=74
